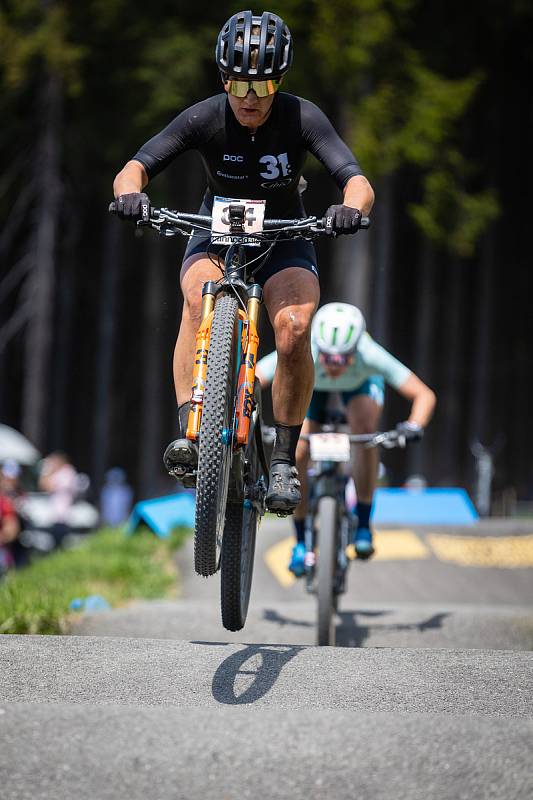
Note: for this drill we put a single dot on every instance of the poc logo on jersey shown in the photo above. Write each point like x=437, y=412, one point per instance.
x=238, y=159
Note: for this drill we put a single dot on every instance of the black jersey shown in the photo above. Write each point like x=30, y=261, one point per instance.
x=266, y=165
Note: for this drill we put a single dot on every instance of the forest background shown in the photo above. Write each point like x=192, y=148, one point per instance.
x=435, y=99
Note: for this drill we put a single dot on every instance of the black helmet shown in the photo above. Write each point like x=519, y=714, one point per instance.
x=236, y=42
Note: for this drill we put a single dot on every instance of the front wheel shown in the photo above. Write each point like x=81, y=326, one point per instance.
x=238, y=545
x=325, y=569
x=216, y=438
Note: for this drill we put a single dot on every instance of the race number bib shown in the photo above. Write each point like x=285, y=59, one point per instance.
x=254, y=215
x=329, y=447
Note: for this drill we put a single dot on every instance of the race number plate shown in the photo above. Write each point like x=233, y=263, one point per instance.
x=330, y=447
x=254, y=214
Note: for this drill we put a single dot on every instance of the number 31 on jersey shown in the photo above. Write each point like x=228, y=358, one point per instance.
x=275, y=166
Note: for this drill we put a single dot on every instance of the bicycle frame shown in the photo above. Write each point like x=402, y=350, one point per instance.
x=234, y=267
x=328, y=482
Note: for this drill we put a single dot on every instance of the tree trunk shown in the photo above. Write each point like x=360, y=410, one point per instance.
x=417, y=456
x=479, y=428
x=349, y=277
x=383, y=266
x=106, y=340
x=453, y=386
x=43, y=253
x=155, y=366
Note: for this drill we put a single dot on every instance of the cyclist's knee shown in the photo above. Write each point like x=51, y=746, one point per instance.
x=292, y=328
x=363, y=414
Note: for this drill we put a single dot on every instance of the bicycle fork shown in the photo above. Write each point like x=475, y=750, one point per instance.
x=246, y=378
x=249, y=345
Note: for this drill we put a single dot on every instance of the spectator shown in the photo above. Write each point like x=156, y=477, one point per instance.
x=59, y=478
x=10, y=479
x=10, y=487
x=115, y=498
x=9, y=530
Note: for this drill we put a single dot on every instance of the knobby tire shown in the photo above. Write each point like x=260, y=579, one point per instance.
x=238, y=545
x=215, y=455
x=327, y=528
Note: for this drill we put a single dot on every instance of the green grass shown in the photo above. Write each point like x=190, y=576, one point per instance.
x=36, y=599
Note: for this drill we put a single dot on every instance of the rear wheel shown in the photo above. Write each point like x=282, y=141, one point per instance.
x=216, y=438
x=325, y=569
x=238, y=546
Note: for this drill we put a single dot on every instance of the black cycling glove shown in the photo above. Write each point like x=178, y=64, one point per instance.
x=342, y=219
x=133, y=206
x=411, y=431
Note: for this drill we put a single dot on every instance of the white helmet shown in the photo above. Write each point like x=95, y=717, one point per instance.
x=337, y=328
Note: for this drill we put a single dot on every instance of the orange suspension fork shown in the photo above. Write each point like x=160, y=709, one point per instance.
x=245, y=384
x=203, y=337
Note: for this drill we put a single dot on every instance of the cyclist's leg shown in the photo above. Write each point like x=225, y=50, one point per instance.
x=291, y=296
x=181, y=455
x=297, y=560
x=363, y=411
x=311, y=424
x=195, y=271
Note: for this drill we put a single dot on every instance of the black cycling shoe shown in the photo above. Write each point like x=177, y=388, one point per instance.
x=181, y=461
x=283, y=489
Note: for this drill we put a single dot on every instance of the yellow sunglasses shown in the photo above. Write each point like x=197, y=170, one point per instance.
x=240, y=88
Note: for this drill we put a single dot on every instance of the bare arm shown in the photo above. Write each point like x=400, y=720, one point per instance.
x=132, y=178
x=358, y=193
x=9, y=529
x=422, y=397
x=263, y=380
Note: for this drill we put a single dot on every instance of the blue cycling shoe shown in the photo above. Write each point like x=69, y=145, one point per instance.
x=297, y=563
x=363, y=543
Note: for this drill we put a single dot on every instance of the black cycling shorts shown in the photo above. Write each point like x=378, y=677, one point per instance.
x=288, y=253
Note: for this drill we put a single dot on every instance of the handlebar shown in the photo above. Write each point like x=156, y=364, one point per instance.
x=171, y=222
x=386, y=439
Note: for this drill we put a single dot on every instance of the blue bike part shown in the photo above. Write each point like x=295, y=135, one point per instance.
x=226, y=435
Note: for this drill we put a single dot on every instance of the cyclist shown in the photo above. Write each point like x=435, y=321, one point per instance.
x=253, y=140
x=349, y=361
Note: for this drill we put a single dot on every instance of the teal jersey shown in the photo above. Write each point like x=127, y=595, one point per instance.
x=370, y=359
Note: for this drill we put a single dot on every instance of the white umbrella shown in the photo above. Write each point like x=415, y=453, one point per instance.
x=13, y=445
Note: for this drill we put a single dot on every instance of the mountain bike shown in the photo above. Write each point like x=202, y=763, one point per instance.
x=225, y=411
x=329, y=524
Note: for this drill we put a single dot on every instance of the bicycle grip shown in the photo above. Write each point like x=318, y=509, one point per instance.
x=364, y=223
x=112, y=208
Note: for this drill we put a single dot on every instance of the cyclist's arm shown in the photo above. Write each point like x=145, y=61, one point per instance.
x=423, y=399
x=323, y=141
x=377, y=359
x=131, y=178
x=265, y=369
x=358, y=193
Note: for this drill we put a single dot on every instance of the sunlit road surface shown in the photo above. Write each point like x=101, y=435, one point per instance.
x=468, y=587
x=429, y=694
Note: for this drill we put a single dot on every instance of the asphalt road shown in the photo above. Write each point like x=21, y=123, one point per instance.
x=430, y=695
x=418, y=601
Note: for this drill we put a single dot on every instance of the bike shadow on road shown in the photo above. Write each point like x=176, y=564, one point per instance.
x=350, y=632
x=248, y=674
